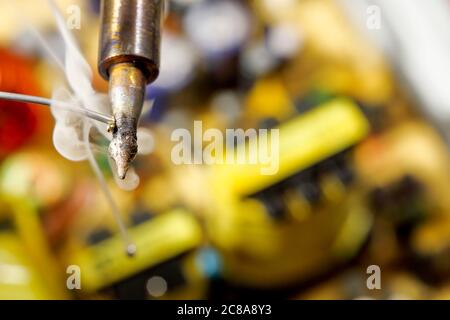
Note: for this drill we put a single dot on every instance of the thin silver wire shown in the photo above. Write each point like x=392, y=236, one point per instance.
x=63, y=105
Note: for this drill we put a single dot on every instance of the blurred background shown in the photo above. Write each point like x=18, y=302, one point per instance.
x=360, y=92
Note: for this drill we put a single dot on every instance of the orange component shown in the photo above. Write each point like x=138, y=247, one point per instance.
x=18, y=121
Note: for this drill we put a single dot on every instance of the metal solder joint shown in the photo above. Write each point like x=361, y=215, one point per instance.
x=131, y=250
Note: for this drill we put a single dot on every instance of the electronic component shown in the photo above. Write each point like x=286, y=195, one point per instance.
x=274, y=220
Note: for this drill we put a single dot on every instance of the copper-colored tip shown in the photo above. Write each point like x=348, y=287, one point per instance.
x=126, y=91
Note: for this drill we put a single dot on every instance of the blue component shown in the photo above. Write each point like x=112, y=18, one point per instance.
x=160, y=98
x=209, y=262
x=94, y=5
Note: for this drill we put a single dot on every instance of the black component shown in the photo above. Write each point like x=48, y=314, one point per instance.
x=340, y=167
x=433, y=268
x=274, y=205
x=403, y=203
x=6, y=224
x=306, y=183
x=345, y=174
x=135, y=287
x=98, y=236
x=376, y=115
x=311, y=192
x=268, y=123
x=312, y=99
x=139, y=217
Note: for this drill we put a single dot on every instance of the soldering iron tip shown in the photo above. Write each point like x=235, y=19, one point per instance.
x=123, y=147
x=122, y=171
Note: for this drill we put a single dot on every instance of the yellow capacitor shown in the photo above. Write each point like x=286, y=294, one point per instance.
x=158, y=239
x=303, y=141
x=28, y=269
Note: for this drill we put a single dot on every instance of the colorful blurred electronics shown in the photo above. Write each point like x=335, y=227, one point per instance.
x=276, y=230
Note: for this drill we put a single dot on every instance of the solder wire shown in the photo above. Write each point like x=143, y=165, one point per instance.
x=60, y=104
x=130, y=247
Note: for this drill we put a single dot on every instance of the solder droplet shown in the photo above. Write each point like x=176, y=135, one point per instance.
x=131, y=250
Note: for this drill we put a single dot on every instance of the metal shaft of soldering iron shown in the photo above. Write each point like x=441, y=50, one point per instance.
x=129, y=58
